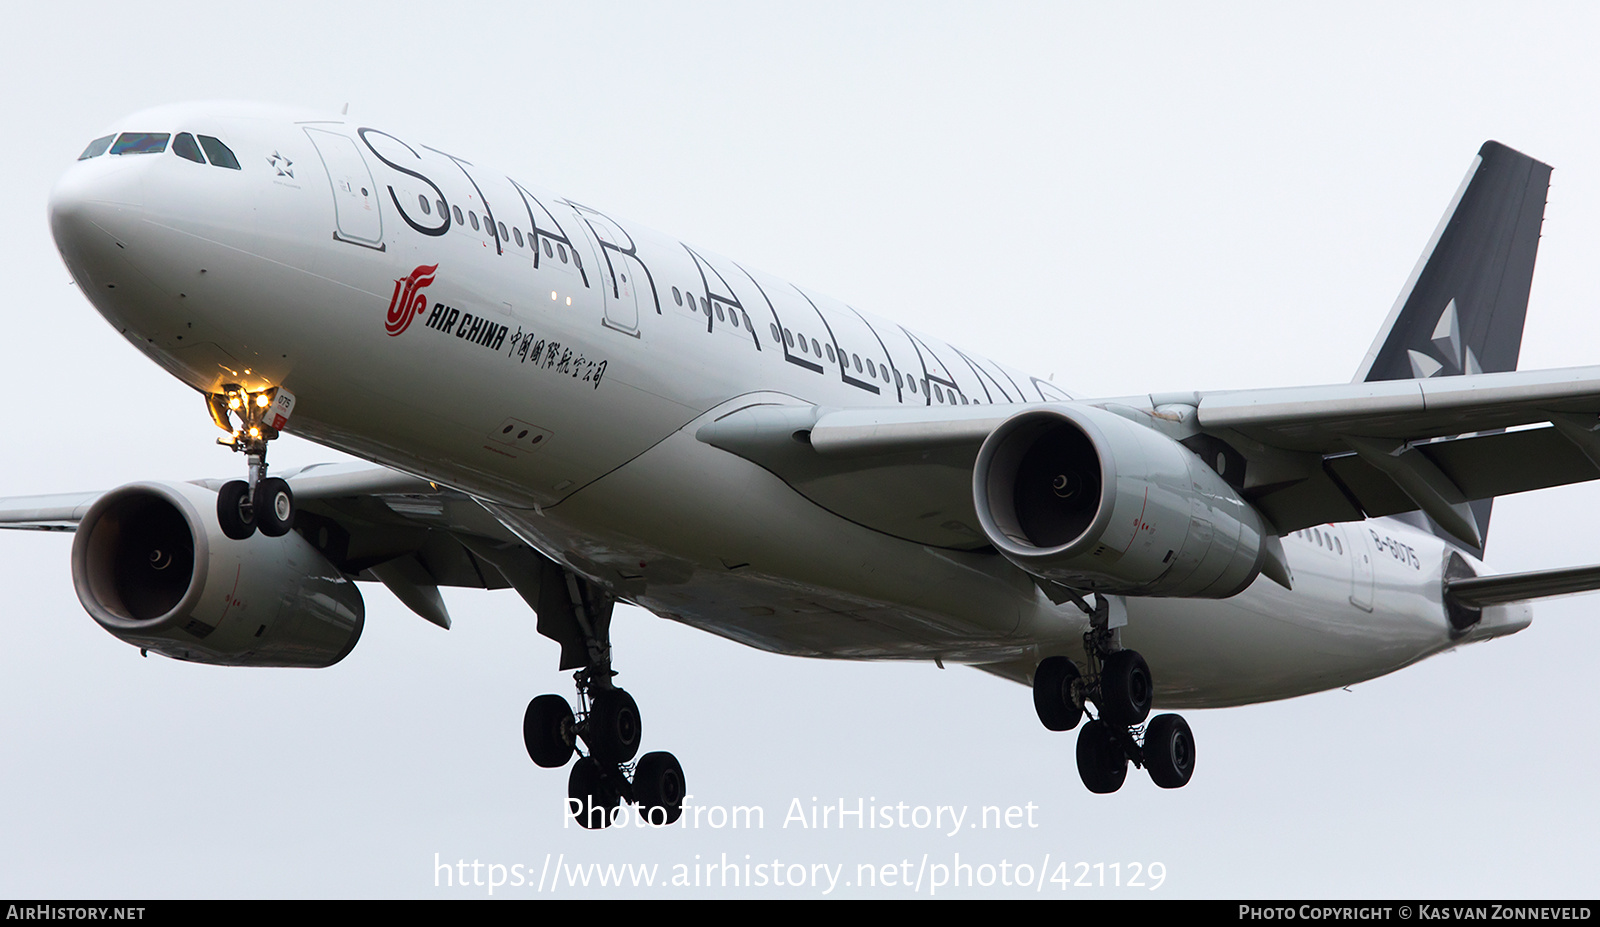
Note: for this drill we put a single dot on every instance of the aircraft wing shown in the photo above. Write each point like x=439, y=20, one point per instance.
x=1482, y=591
x=313, y=483
x=1303, y=456
x=372, y=523
x=57, y=512
x=1381, y=448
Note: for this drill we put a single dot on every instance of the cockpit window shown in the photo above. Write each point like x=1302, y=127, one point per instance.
x=221, y=155
x=184, y=146
x=141, y=143
x=96, y=148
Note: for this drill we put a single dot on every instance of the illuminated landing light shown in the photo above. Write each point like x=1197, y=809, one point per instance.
x=569, y=300
x=552, y=294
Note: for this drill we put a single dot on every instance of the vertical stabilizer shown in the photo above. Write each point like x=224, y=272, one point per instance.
x=1463, y=309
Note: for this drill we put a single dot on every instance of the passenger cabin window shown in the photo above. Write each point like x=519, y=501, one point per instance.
x=422, y=201
x=184, y=146
x=96, y=148
x=460, y=219
x=219, y=154
x=140, y=143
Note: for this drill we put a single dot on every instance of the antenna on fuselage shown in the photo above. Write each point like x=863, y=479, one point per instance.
x=345, y=111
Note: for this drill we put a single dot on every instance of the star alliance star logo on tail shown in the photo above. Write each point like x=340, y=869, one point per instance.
x=1453, y=357
x=408, y=300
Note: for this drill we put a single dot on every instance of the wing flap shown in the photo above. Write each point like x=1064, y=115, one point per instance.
x=1348, y=488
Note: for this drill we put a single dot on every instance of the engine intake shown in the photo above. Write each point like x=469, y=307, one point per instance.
x=150, y=564
x=1095, y=501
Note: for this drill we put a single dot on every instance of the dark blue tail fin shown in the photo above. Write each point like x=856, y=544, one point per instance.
x=1463, y=309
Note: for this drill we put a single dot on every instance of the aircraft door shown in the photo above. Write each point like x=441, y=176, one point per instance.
x=1361, y=572
x=622, y=277
x=355, y=196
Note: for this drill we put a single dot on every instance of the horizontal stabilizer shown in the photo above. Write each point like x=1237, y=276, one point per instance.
x=1480, y=591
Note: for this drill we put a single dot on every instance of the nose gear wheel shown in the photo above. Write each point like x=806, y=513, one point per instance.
x=261, y=502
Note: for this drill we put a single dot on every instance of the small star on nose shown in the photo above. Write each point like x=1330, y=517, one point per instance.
x=284, y=166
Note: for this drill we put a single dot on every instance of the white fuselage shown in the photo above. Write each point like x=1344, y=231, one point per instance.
x=559, y=372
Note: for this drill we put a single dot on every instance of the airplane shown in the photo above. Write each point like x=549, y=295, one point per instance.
x=560, y=402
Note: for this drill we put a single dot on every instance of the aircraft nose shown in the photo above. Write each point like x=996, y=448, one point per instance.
x=89, y=205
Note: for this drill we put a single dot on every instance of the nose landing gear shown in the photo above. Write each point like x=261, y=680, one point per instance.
x=263, y=502
x=1120, y=686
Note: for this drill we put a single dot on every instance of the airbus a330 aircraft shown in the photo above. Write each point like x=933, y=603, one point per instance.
x=560, y=402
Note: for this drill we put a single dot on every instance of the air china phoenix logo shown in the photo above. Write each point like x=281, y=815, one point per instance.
x=408, y=301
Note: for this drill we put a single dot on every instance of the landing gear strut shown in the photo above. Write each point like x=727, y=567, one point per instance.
x=1118, y=683
x=606, y=723
x=263, y=502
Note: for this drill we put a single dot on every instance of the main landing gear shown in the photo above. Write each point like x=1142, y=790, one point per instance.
x=607, y=722
x=263, y=502
x=1119, y=686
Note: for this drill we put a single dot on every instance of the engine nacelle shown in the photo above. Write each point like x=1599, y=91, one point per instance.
x=151, y=565
x=1094, y=501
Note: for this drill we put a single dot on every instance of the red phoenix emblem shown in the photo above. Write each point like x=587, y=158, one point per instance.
x=408, y=302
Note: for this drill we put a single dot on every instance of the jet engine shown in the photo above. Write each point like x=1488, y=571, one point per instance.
x=152, y=566
x=1095, y=501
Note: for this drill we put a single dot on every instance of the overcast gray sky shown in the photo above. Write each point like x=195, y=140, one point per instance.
x=1132, y=200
